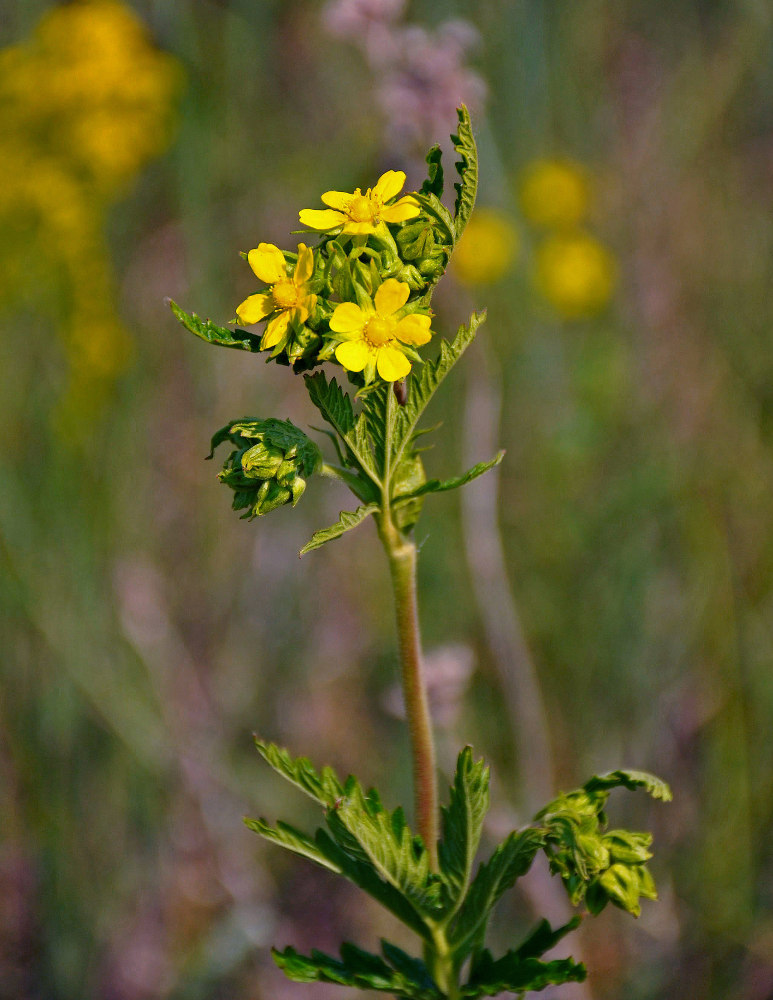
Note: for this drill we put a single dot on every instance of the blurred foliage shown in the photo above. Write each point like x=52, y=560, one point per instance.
x=146, y=634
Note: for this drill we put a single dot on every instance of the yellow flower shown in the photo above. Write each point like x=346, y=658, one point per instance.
x=555, y=193
x=486, y=250
x=575, y=273
x=288, y=301
x=361, y=214
x=373, y=336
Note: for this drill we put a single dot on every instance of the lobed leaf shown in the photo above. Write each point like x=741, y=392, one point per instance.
x=423, y=386
x=239, y=339
x=336, y=407
x=293, y=840
x=462, y=824
x=520, y=975
x=357, y=968
x=544, y=937
x=363, y=874
x=324, y=787
x=385, y=841
x=442, y=485
x=508, y=863
x=631, y=780
x=346, y=521
x=467, y=168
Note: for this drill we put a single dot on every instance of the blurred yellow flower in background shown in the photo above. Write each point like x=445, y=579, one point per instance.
x=487, y=249
x=87, y=101
x=575, y=273
x=555, y=193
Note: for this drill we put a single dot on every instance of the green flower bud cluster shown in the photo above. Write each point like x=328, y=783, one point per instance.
x=269, y=465
x=596, y=865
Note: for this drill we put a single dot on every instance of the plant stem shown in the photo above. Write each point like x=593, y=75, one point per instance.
x=402, y=565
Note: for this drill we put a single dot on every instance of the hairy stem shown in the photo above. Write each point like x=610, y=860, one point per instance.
x=402, y=565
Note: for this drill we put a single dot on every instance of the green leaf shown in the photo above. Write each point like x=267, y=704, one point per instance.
x=508, y=863
x=631, y=780
x=324, y=787
x=293, y=840
x=336, y=407
x=440, y=486
x=412, y=968
x=363, y=874
x=240, y=339
x=434, y=182
x=374, y=407
x=467, y=168
x=384, y=841
x=357, y=968
x=346, y=521
x=422, y=386
x=544, y=937
x=435, y=209
x=462, y=824
x=519, y=975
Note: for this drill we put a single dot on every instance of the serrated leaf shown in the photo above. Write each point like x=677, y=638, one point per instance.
x=346, y=521
x=324, y=787
x=293, y=840
x=434, y=182
x=336, y=407
x=423, y=386
x=441, y=486
x=519, y=975
x=384, y=840
x=239, y=339
x=508, y=863
x=435, y=209
x=362, y=874
x=374, y=407
x=357, y=968
x=462, y=824
x=544, y=937
x=467, y=168
x=412, y=968
x=631, y=780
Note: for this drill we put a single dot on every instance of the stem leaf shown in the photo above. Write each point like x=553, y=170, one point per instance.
x=440, y=486
x=467, y=168
x=324, y=787
x=462, y=824
x=239, y=339
x=519, y=975
x=508, y=863
x=336, y=407
x=293, y=840
x=423, y=386
x=357, y=968
x=346, y=521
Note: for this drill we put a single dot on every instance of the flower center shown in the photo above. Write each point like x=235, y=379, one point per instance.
x=284, y=294
x=361, y=209
x=378, y=331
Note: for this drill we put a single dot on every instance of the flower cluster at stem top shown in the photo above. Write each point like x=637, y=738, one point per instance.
x=360, y=297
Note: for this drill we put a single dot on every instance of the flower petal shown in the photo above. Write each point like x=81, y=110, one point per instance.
x=275, y=330
x=359, y=228
x=268, y=263
x=414, y=329
x=323, y=218
x=405, y=208
x=392, y=364
x=255, y=308
x=305, y=266
x=391, y=296
x=353, y=355
x=348, y=318
x=389, y=184
x=337, y=199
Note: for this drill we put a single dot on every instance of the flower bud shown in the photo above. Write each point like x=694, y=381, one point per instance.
x=268, y=465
